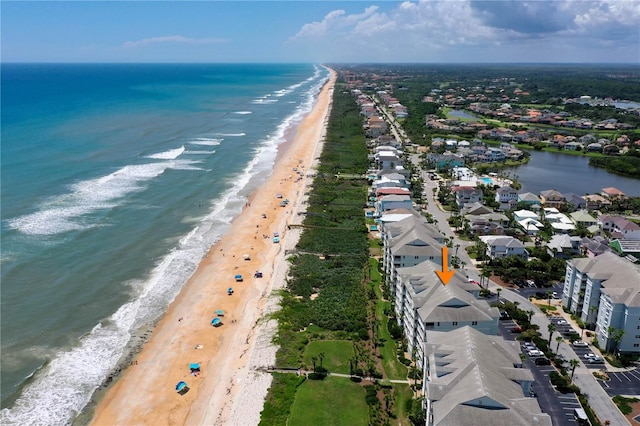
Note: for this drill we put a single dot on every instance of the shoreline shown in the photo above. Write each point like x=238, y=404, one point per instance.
x=144, y=392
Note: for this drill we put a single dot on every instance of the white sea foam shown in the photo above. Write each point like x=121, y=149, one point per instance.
x=232, y=135
x=168, y=155
x=68, y=212
x=199, y=152
x=264, y=101
x=63, y=387
x=243, y=112
x=206, y=141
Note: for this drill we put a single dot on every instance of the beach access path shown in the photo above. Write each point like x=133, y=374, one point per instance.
x=229, y=388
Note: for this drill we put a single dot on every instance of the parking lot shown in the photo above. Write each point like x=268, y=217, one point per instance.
x=559, y=406
x=526, y=291
x=622, y=383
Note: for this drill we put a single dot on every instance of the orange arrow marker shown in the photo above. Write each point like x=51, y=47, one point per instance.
x=445, y=275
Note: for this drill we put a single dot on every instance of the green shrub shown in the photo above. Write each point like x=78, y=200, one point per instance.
x=623, y=403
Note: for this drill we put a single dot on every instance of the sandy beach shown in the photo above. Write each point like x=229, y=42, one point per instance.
x=230, y=388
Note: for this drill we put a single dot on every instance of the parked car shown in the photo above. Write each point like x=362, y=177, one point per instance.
x=596, y=360
x=504, y=315
x=588, y=355
x=579, y=344
x=527, y=346
x=517, y=329
x=542, y=361
x=535, y=353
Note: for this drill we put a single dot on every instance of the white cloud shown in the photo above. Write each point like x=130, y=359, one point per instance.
x=466, y=30
x=171, y=39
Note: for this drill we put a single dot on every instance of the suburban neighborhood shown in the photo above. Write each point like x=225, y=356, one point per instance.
x=453, y=331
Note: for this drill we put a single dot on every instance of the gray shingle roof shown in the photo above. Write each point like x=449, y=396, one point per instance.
x=478, y=384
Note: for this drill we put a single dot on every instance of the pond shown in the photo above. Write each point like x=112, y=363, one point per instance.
x=569, y=173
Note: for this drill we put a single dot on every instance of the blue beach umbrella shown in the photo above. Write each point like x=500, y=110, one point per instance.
x=194, y=366
x=180, y=386
x=216, y=322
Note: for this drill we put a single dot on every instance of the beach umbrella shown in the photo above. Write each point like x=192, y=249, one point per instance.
x=230, y=291
x=180, y=386
x=220, y=312
x=194, y=366
x=238, y=277
x=216, y=322
x=276, y=240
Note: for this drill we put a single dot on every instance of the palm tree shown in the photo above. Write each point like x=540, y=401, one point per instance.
x=559, y=339
x=551, y=327
x=321, y=356
x=313, y=360
x=498, y=290
x=615, y=334
x=573, y=363
x=530, y=315
x=549, y=294
x=515, y=306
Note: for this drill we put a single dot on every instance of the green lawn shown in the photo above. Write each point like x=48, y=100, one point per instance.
x=393, y=368
x=403, y=395
x=336, y=355
x=332, y=401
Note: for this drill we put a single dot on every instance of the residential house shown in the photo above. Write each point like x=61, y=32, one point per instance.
x=620, y=227
x=475, y=209
x=445, y=161
x=507, y=197
x=390, y=202
x=559, y=221
x=575, y=200
x=467, y=194
x=562, y=246
x=582, y=217
x=612, y=192
x=472, y=378
x=592, y=247
x=529, y=198
x=494, y=154
x=503, y=246
x=552, y=198
x=387, y=159
x=595, y=202
x=488, y=223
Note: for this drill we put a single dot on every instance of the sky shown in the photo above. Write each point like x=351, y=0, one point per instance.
x=357, y=31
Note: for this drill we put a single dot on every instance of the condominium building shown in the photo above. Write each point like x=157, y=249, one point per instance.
x=605, y=291
x=473, y=378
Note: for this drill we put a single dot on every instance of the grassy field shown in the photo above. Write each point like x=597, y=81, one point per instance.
x=403, y=395
x=277, y=405
x=336, y=355
x=394, y=369
x=332, y=401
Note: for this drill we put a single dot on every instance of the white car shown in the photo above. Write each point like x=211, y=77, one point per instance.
x=534, y=353
x=562, y=322
x=588, y=355
x=579, y=344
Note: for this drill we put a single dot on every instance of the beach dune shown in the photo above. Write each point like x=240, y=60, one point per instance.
x=229, y=389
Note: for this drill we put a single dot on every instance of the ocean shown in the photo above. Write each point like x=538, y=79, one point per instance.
x=116, y=180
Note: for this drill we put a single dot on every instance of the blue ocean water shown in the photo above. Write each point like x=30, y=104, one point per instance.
x=116, y=179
